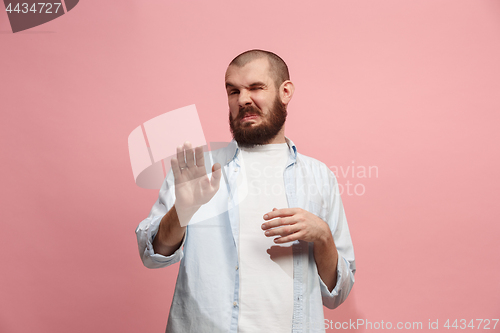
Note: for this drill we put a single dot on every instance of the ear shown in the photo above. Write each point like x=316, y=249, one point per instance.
x=286, y=91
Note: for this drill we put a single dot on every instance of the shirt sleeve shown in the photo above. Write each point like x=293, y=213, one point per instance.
x=148, y=228
x=346, y=265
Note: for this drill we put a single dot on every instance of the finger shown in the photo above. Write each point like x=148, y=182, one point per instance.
x=175, y=168
x=180, y=157
x=290, y=238
x=189, y=154
x=277, y=222
x=282, y=231
x=216, y=175
x=280, y=213
x=200, y=159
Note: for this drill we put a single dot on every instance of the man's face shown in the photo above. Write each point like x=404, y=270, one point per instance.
x=256, y=112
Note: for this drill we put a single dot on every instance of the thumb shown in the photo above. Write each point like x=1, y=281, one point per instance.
x=216, y=175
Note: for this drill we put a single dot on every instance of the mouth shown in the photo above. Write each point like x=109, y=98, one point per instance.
x=249, y=116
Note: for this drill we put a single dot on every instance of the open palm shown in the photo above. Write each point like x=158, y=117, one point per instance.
x=193, y=187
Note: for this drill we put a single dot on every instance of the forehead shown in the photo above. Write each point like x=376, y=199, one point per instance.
x=255, y=71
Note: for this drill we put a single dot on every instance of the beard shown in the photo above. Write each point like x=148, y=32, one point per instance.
x=247, y=135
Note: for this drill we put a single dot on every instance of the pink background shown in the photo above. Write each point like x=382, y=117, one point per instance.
x=411, y=87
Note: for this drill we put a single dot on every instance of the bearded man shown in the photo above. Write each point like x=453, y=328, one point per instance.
x=267, y=248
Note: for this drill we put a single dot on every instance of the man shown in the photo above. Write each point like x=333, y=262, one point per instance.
x=264, y=250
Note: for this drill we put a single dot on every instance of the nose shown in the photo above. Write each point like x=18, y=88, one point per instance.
x=244, y=98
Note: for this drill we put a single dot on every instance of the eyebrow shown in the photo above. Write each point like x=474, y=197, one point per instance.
x=258, y=83
x=255, y=84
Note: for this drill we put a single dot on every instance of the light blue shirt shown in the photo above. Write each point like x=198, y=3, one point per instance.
x=207, y=288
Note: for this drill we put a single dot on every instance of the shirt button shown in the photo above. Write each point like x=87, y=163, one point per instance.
x=235, y=169
x=235, y=303
x=236, y=267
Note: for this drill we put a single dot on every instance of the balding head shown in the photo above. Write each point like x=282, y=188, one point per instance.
x=277, y=67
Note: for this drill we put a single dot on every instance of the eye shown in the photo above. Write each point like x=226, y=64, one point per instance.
x=233, y=92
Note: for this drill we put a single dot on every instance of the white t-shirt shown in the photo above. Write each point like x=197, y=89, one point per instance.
x=266, y=268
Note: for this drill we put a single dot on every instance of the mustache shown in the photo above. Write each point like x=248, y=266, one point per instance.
x=250, y=109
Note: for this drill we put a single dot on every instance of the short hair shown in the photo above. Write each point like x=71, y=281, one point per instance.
x=277, y=67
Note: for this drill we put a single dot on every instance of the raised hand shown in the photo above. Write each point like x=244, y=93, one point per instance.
x=193, y=188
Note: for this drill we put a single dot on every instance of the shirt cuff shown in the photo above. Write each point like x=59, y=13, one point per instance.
x=156, y=260
x=332, y=299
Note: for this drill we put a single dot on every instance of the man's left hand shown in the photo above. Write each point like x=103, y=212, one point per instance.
x=293, y=224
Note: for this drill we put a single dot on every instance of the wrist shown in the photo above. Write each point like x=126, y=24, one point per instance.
x=325, y=239
x=185, y=213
